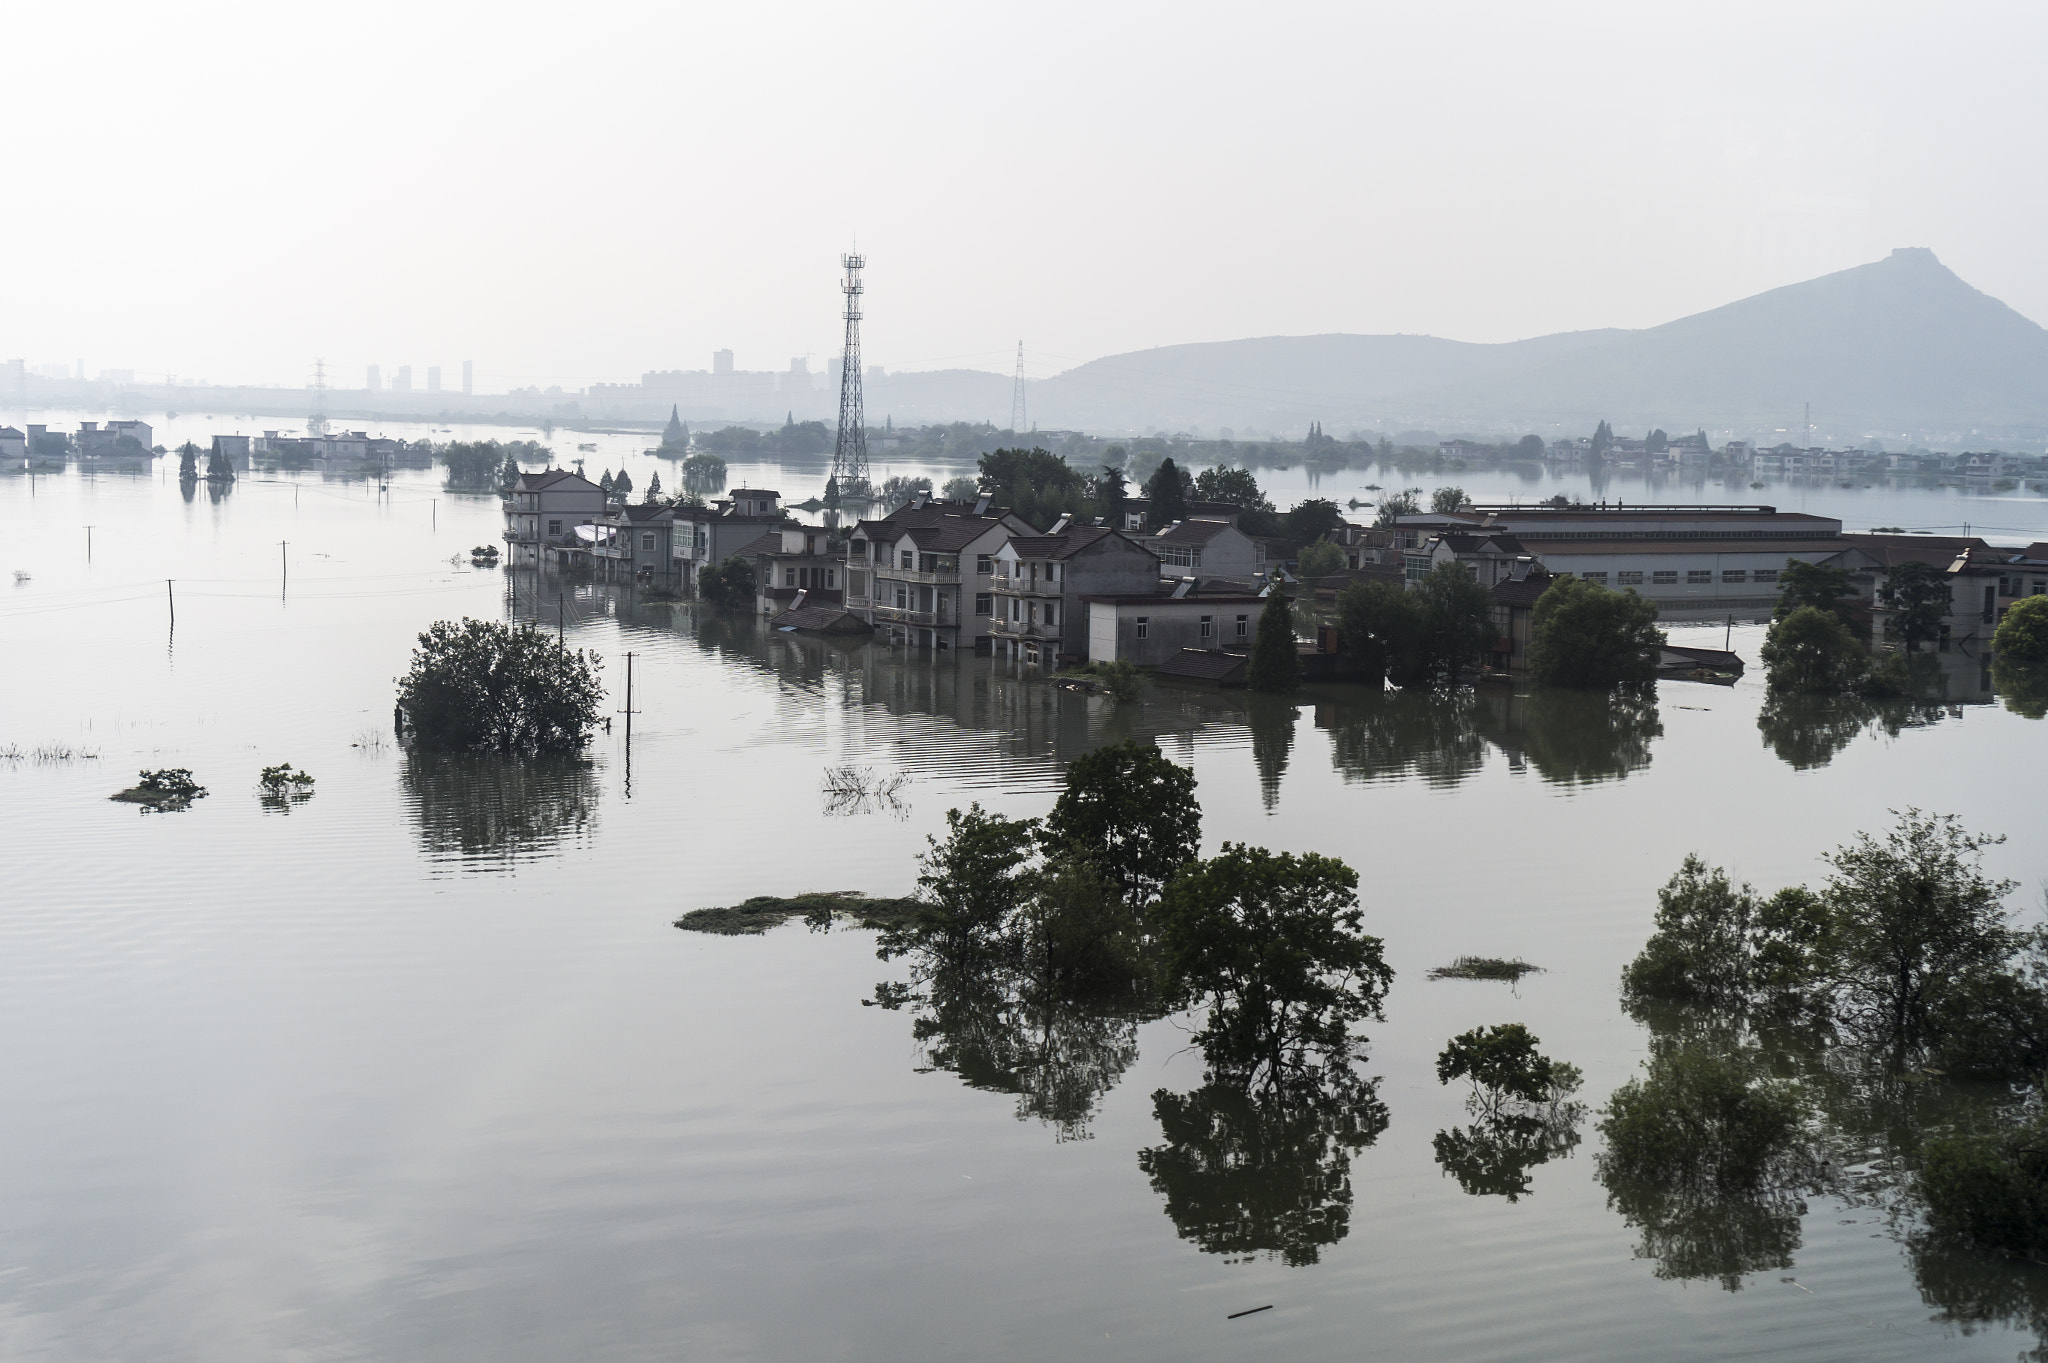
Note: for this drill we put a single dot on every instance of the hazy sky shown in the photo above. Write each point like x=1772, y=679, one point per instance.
x=579, y=193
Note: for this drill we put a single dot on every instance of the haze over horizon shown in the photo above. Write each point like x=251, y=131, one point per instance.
x=576, y=202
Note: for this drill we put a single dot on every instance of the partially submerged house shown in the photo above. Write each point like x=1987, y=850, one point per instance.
x=1041, y=581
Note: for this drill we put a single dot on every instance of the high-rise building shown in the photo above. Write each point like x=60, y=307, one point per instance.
x=433, y=378
x=721, y=362
x=373, y=379
x=468, y=376
x=401, y=382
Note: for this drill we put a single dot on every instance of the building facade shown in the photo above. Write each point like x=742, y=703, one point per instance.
x=924, y=575
x=1040, y=582
x=542, y=511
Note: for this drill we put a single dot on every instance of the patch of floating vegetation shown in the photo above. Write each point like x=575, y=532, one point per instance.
x=47, y=754
x=765, y=911
x=1485, y=968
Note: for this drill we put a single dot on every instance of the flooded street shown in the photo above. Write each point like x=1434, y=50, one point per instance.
x=420, y=1067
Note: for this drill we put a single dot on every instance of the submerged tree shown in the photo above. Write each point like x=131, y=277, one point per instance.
x=1918, y=595
x=728, y=586
x=1275, y=944
x=1166, y=497
x=1275, y=664
x=2022, y=634
x=482, y=686
x=1131, y=813
x=1583, y=635
x=1811, y=652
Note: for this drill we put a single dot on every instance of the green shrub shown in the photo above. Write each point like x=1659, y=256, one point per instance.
x=1321, y=559
x=2022, y=635
x=1989, y=1189
x=1502, y=1063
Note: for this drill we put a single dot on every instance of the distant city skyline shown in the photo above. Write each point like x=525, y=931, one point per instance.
x=1108, y=179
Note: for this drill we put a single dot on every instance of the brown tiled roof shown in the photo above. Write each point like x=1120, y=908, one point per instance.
x=536, y=482
x=1062, y=545
x=822, y=620
x=1523, y=593
x=952, y=533
x=1936, y=550
x=769, y=543
x=1193, y=532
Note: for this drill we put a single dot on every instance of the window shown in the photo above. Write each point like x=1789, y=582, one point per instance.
x=983, y=564
x=1013, y=609
x=902, y=597
x=1734, y=575
x=1764, y=575
x=1665, y=577
x=1207, y=627
x=1052, y=612
x=831, y=577
x=1144, y=626
x=1600, y=579
x=1695, y=576
x=984, y=603
x=554, y=527
x=789, y=577
x=2041, y=586
x=1052, y=572
x=1628, y=579
x=908, y=558
x=647, y=539
x=1244, y=627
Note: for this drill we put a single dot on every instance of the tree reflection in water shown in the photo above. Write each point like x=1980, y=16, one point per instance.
x=1388, y=735
x=1264, y=1167
x=1058, y=1056
x=489, y=808
x=2023, y=687
x=1574, y=737
x=1272, y=724
x=1493, y=1156
x=1811, y=731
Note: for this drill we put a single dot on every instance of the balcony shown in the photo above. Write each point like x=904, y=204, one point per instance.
x=1023, y=629
x=943, y=578
x=901, y=616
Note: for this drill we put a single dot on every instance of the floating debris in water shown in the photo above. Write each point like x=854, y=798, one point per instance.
x=1485, y=968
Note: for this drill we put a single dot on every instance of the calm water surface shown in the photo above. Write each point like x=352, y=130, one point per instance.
x=419, y=1068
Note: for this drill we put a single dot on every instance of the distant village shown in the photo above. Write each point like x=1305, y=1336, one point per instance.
x=968, y=576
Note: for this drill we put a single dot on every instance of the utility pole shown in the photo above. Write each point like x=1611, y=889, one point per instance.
x=172, y=601
x=434, y=511
x=629, y=702
x=88, y=544
x=285, y=569
x=561, y=620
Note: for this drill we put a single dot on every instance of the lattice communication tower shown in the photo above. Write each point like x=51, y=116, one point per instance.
x=1017, y=395
x=850, y=456
x=316, y=424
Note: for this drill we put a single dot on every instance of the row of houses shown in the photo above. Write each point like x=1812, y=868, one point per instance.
x=92, y=439
x=1782, y=460
x=960, y=576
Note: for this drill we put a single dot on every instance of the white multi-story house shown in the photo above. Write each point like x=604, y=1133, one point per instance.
x=1040, y=582
x=924, y=575
x=704, y=536
x=1207, y=548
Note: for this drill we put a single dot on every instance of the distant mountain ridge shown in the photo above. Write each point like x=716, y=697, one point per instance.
x=1898, y=346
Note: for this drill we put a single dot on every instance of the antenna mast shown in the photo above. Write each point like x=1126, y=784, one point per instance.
x=1017, y=395
x=316, y=424
x=849, y=480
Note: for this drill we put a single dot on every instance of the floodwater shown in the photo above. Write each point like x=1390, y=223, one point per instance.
x=419, y=1068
